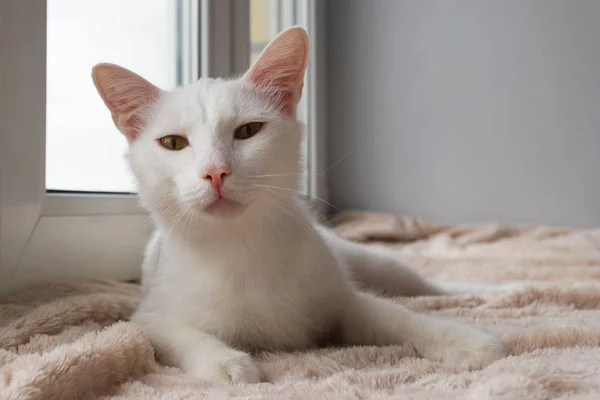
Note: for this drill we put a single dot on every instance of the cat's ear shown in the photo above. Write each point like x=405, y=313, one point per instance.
x=127, y=96
x=279, y=70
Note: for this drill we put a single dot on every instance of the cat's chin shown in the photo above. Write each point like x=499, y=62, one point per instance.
x=225, y=208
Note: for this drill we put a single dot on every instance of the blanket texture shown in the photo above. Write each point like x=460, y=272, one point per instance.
x=72, y=340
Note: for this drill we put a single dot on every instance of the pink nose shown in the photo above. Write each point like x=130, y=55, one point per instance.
x=216, y=176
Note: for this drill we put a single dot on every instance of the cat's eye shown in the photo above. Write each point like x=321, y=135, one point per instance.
x=173, y=142
x=247, y=130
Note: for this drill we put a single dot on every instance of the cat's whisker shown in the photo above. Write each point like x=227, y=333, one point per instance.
x=270, y=175
x=144, y=225
x=318, y=174
x=289, y=209
x=180, y=214
x=190, y=224
x=184, y=226
x=170, y=206
x=185, y=229
x=285, y=201
x=298, y=192
x=288, y=212
x=336, y=163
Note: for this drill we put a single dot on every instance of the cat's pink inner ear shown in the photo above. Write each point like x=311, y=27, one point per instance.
x=279, y=70
x=127, y=96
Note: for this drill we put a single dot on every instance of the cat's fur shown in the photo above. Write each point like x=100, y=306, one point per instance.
x=224, y=278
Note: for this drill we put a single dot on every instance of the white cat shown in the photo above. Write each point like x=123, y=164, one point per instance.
x=236, y=264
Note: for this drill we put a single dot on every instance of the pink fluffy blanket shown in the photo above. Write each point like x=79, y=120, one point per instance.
x=72, y=340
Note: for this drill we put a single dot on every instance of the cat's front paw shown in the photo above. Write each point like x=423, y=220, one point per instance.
x=226, y=365
x=478, y=349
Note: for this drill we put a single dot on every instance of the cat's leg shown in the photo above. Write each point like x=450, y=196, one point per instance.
x=377, y=271
x=199, y=354
x=370, y=320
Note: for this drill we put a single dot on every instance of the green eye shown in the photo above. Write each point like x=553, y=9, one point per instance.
x=248, y=130
x=173, y=142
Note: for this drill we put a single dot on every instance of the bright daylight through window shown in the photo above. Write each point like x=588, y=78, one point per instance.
x=84, y=150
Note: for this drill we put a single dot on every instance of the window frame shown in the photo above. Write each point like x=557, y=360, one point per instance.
x=58, y=235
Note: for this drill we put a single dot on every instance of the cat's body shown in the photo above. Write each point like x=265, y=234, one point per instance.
x=283, y=299
x=236, y=264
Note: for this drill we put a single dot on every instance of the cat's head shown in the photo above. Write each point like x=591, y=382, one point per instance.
x=217, y=147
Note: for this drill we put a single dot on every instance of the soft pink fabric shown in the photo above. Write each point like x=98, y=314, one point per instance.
x=63, y=341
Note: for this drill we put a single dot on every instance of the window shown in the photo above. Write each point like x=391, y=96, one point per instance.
x=66, y=208
x=267, y=19
x=84, y=150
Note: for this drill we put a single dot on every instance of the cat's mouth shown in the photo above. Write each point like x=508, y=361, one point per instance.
x=225, y=207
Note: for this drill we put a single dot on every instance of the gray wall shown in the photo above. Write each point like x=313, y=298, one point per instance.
x=466, y=110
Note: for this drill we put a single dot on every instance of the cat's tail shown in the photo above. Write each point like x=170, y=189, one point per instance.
x=450, y=288
x=377, y=271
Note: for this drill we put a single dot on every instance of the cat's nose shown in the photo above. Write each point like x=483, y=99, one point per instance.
x=216, y=175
